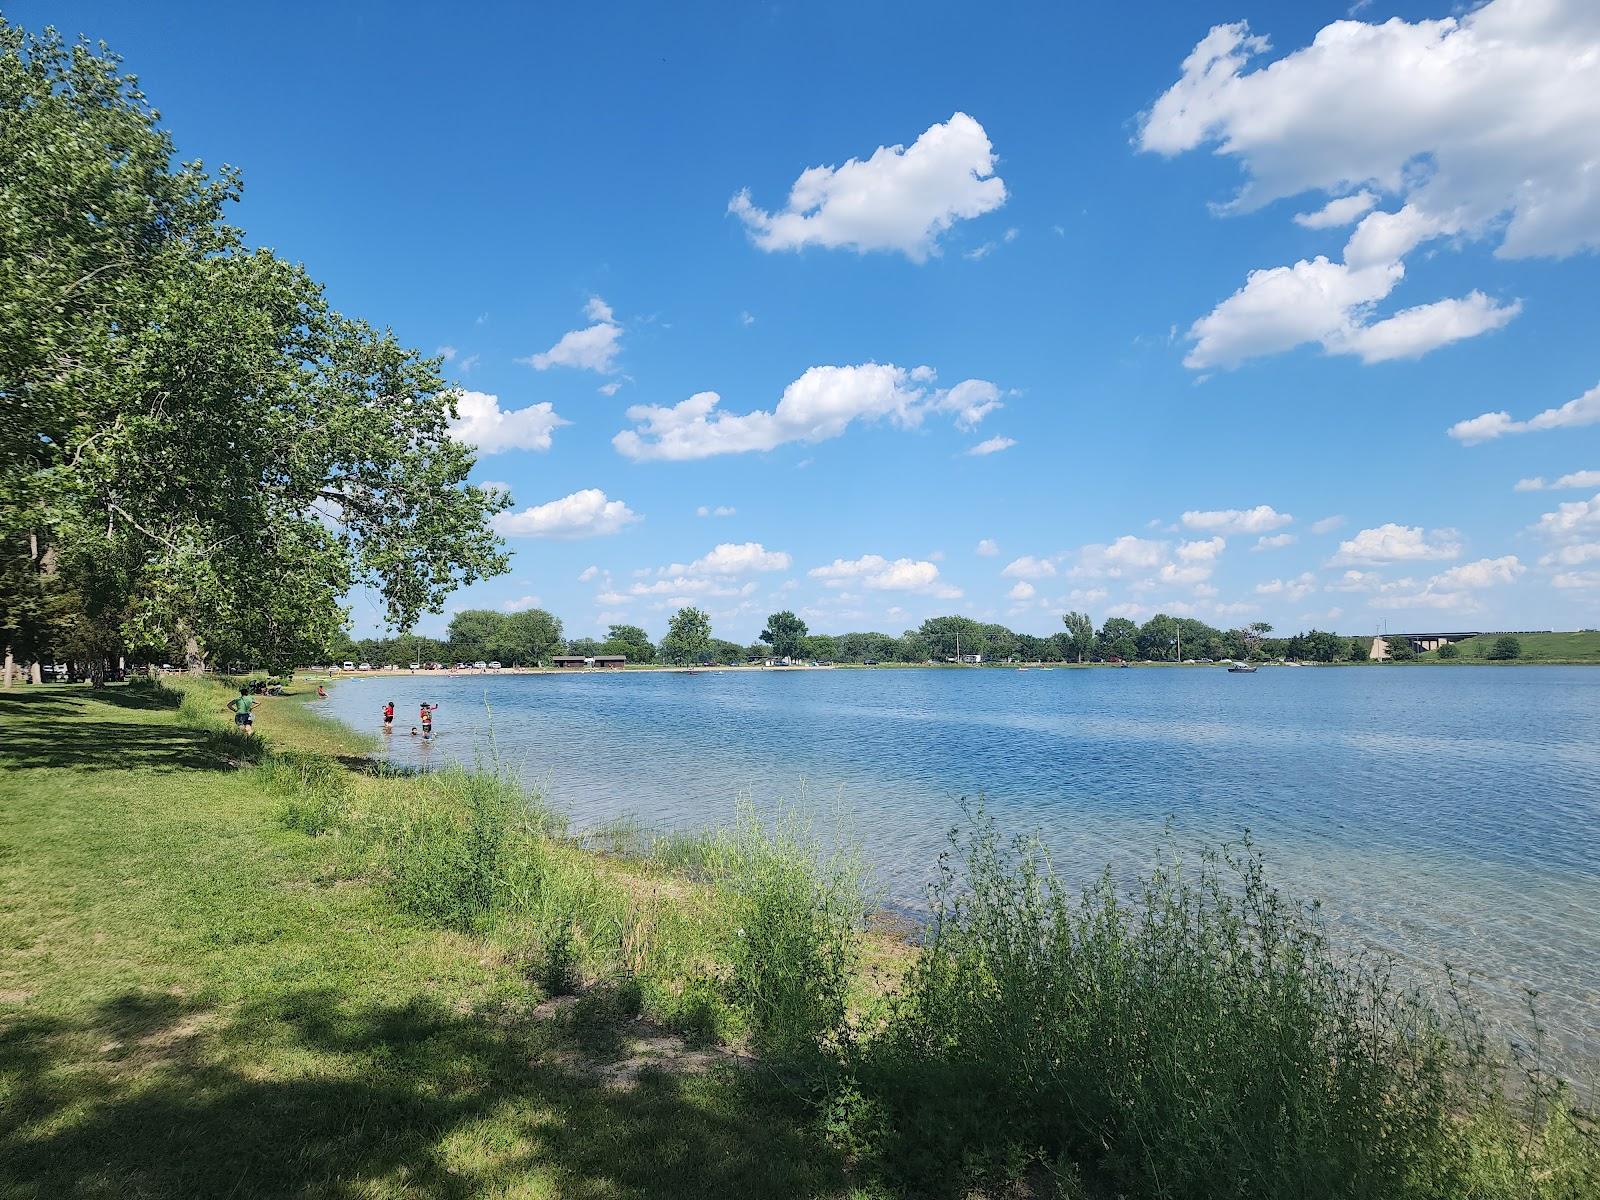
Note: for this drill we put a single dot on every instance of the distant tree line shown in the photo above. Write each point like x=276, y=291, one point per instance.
x=535, y=636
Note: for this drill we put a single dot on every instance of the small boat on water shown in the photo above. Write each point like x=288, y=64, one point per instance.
x=1241, y=669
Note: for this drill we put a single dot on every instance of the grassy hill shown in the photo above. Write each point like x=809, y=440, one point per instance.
x=1536, y=647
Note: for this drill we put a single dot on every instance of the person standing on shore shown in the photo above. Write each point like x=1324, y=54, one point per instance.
x=388, y=717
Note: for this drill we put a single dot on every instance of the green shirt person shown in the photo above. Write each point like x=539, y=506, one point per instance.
x=242, y=706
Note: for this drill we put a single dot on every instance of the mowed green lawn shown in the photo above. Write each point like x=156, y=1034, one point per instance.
x=193, y=1002
x=1536, y=647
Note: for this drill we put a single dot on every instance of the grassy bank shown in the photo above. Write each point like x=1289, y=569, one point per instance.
x=259, y=966
x=197, y=998
x=1581, y=647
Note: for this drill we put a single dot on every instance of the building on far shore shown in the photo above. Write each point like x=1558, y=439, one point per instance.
x=579, y=661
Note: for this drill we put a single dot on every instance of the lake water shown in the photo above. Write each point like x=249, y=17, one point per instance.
x=1441, y=814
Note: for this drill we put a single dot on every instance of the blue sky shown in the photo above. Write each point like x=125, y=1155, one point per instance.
x=1054, y=266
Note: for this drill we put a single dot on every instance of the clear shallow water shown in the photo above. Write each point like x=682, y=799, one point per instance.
x=1441, y=814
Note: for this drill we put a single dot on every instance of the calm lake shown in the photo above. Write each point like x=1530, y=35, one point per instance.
x=1445, y=815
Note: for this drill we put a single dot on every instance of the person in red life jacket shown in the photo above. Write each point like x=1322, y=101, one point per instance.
x=388, y=717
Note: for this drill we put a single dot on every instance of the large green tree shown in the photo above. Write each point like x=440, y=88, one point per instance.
x=529, y=638
x=688, y=639
x=1116, y=639
x=631, y=642
x=785, y=633
x=194, y=437
x=1080, y=634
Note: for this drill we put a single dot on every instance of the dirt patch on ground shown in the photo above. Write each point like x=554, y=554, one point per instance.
x=643, y=1047
x=14, y=996
x=632, y=1047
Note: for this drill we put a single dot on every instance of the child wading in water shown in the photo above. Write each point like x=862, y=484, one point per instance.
x=426, y=716
x=388, y=717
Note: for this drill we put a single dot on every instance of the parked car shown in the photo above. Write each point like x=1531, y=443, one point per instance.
x=364, y=667
x=349, y=666
x=494, y=666
x=416, y=666
x=480, y=665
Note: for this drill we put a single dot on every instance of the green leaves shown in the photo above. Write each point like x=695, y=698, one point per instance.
x=688, y=637
x=200, y=442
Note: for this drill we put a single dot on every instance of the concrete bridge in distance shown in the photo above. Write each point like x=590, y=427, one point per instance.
x=1420, y=642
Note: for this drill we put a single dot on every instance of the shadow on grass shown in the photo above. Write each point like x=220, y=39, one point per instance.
x=407, y=1098
x=45, y=701
x=138, y=696
x=114, y=746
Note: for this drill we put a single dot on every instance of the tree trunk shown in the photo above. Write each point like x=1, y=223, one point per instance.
x=35, y=672
x=11, y=666
x=194, y=662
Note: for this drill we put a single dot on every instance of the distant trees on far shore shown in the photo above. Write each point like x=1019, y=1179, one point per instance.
x=533, y=636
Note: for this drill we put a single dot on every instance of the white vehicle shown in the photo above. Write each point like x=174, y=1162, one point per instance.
x=416, y=666
x=349, y=666
x=364, y=667
x=494, y=666
x=480, y=666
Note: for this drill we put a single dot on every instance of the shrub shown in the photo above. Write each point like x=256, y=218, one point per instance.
x=445, y=854
x=798, y=912
x=1449, y=650
x=1196, y=1036
x=1505, y=647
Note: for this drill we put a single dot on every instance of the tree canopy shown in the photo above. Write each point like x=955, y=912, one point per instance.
x=199, y=449
x=688, y=639
x=786, y=634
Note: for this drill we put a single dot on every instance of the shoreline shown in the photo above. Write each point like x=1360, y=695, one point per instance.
x=653, y=668
x=471, y=948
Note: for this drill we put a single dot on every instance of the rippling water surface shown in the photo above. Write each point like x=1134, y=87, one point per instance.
x=1443, y=814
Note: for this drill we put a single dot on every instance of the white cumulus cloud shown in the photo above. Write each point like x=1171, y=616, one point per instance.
x=593, y=348
x=821, y=404
x=720, y=510
x=481, y=422
x=1263, y=518
x=733, y=558
x=1585, y=410
x=1479, y=126
x=1022, y=590
x=1342, y=210
x=1202, y=550
x=1486, y=572
x=900, y=199
x=1276, y=541
x=1127, y=555
x=589, y=513
x=1029, y=567
x=988, y=548
x=876, y=572
x=1574, y=521
x=1390, y=542
x=993, y=446
x=1298, y=588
